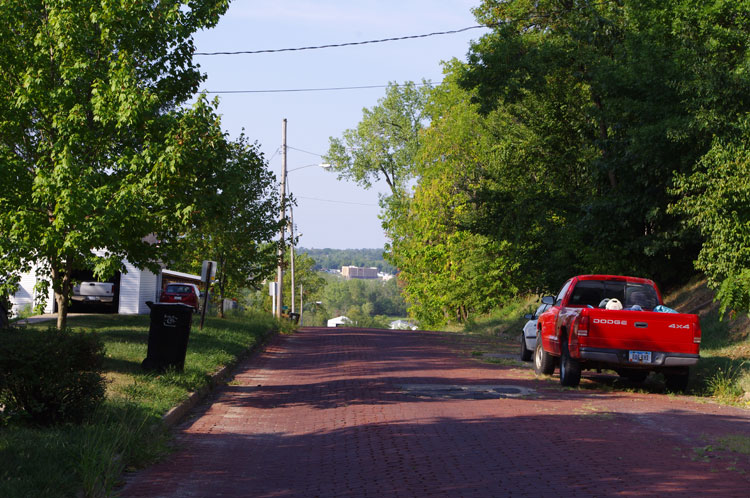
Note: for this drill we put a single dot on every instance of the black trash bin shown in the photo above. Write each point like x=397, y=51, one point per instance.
x=168, y=336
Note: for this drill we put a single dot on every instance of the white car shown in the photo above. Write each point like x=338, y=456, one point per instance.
x=528, y=334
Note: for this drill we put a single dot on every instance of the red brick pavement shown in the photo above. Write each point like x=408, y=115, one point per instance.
x=324, y=413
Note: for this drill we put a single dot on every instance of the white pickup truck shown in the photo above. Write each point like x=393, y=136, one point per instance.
x=94, y=292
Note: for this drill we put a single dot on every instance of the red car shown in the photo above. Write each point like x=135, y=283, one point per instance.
x=182, y=293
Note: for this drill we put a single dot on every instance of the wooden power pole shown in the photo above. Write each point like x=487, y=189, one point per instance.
x=280, y=272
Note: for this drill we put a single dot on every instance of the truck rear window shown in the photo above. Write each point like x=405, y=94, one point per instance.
x=179, y=289
x=593, y=292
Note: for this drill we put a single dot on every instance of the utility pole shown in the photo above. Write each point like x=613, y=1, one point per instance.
x=291, y=255
x=280, y=272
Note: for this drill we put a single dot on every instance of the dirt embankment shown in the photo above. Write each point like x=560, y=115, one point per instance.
x=697, y=298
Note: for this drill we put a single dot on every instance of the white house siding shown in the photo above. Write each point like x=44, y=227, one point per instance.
x=25, y=295
x=136, y=287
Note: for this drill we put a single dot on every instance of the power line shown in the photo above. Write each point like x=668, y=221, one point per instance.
x=305, y=151
x=338, y=45
x=290, y=90
x=531, y=17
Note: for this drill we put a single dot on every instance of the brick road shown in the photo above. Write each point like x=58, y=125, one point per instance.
x=347, y=412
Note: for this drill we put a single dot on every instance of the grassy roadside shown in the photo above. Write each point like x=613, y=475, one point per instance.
x=723, y=372
x=722, y=375
x=126, y=432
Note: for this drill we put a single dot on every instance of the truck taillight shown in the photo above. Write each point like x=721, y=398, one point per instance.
x=696, y=334
x=583, y=326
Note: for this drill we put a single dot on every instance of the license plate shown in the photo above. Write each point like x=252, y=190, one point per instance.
x=639, y=357
x=177, y=298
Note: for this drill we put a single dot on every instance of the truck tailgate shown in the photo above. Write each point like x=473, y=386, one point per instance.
x=642, y=330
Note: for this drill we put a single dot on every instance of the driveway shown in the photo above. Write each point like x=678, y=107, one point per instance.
x=352, y=412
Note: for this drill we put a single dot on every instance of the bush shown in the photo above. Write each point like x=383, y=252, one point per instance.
x=51, y=376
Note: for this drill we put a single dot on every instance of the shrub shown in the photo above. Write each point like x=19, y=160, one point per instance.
x=51, y=376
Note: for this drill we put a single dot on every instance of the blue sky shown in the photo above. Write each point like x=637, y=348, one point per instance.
x=330, y=213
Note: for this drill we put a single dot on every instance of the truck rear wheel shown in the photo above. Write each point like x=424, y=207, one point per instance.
x=544, y=363
x=524, y=353
x=570, y=369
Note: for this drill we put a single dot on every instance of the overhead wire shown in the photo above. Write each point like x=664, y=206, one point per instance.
x=338, y=45
x=325, y=89
x=305, y=151
x=407, y=37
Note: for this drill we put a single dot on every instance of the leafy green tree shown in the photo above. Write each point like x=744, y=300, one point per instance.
x=235, y=222
x=375, y=297
x=94, y=151
x=386, y=140
x=715, y=198
x=713, y=195
x=306, y=276
x=605, y=78
x=362, y=317
x=557, y=151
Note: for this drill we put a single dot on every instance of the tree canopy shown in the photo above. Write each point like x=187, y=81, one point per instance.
x=235, y=221
x=580, y=137
x=385, y=142
x=95, y=149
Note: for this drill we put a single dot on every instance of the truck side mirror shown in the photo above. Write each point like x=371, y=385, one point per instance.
x=548, y=300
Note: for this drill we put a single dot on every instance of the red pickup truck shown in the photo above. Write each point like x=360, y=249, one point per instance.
x=578, y=332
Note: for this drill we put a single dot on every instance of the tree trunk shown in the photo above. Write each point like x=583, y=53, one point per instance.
x=221, y=300
x=62, y=310
x=61, y=284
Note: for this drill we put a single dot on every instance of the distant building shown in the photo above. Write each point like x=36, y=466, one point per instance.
x=339, y=321
x=403, y=325
x=350, y=272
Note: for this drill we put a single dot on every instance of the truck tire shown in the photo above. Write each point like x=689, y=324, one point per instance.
x=570, y=368
x=544, y=363
x=524, y=353
x=677, y=381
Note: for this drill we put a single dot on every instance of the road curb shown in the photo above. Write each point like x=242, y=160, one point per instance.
x=178, y=413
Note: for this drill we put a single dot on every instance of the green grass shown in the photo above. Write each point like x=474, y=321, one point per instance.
x=724, y=369
x=126, y=431
x=504, y=320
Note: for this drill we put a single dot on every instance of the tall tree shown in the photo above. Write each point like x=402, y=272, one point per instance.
x=623, y=61
x=714, y=194
x=94, y=151
x=235, y=221
x=449, y=271
x=385, y=142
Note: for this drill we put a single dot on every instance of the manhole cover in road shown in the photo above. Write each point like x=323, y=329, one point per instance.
x=452, y=391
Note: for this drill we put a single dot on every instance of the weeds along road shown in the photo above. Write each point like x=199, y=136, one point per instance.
x=353, y=412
